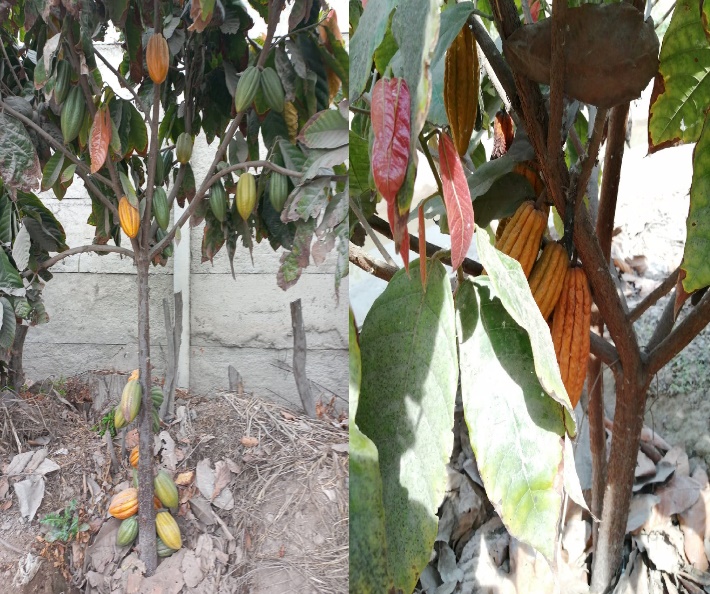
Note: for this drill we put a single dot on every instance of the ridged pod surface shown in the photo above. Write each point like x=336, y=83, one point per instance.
x=134, y=457
x=183, y=148
x=156, y=395
x=165, y=489
x=278, y=190
x=570, y=331
x=461, y=80
x=129, y=218
x=547, y=277
x=272, y=89
x=161, y=209
x=246, y=195
x=522, y=235
x=163, y=549
x=218, y=201
x=247, y=87
x=118, y=420
x=124, y=504
x=73, y=112
x=131, y=400
x=157, y=58
x=127, y=531
x=168, y=530
x=529, y=170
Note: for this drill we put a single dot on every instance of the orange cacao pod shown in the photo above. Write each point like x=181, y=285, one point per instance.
x=461, y=79
x=157, y=58
x=124, y=504
x=547, y=277
x=522, y=235
x=128, y=217
x=168, y=530
x=529, y=171
x=570, y=331
x=134, y=457
x=501, y=226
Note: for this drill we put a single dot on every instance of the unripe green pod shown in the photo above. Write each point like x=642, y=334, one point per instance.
x=73, y=113
x=247, y=87
x=161, y=209
x=183, y=148
x=218, y=201
x=62, y=82
x=272, y=89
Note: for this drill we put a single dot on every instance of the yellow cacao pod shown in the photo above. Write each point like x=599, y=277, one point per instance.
x=118, y=419
x=461, y=80
x=547, y=277
x=131, y=400
x=157, y=58
x=134, y=457
x=128, y=217
x=246, y=195
x=522, y=235
x=168, y=530
x=124, y=504
x=530, y=171
x=501, y=227
x=571, y=322
x=165, y=489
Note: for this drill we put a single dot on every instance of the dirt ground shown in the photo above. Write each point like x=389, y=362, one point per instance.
x=279, y=523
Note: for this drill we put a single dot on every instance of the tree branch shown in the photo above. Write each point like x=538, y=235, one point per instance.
x=603, y=350
x=378, y=268
x=432, y=164
x=653, y=297
x=557, y=83
x=125, y=84
x=248, y=164
x=580, y=181
x=9, y=65
x=104, y=249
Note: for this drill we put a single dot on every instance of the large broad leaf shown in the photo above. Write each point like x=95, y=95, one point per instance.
x=515, y=429
x=325, y=130
x=368, y=35
x=42, y=225
x=696, y=255
x=52, y=170
x=481, y=180
x=452, y=19
x=409, y=378
x=359, y=158
x=293, y=262
x=6, y=227
x=512, y=288
x=10, y=279
x=368, y=540
x=681, y=91
x=19, y=165
x=9, y=324
x=21, y=248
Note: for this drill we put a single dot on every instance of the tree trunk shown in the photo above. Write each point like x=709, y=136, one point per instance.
x=16, y=374
x=299, y=359
x=146, y=513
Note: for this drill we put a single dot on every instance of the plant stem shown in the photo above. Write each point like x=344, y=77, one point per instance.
x=432, y=164
x=125, y=84
x=371, y=233
x=377, y=268
x=653, y=297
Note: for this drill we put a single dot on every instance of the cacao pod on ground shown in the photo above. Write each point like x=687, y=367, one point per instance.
x=156, y=394
x=163, y=549
x=134, y=457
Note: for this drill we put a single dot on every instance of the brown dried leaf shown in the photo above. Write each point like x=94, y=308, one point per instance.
x=677, y=495
x=288, y=416
x=198, y=24
x=131, y=439
x=185, y=478
x=249, y=442
x=679, y=458
x=222, y=476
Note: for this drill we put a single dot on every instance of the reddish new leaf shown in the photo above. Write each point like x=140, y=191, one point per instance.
x=400, y=233
x=535, y=10
x=391, y=126
x=502, y=135
x=99, y=139
x=457, y=198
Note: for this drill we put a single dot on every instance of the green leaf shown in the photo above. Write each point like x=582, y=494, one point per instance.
x=409, y=378
x=368, y=548
x=10, y=279
x=293, y=262
x=437, y=111
x=19, y=165
x=325, y=130
x=384, y=53
x=42, y=225
x=294, y=159
x=502, y=198
x=207, y=7
x=138, y=133
x=511, y=287
x=321, y=162
x=6, y=230
x=481, y=180
x=515, y=429
x=21, y=248
x=306, y=201
x=696, y=254
x=368, y=36
x=52, y=169
x=359, y=165
x=681, y=91
x=452, y=20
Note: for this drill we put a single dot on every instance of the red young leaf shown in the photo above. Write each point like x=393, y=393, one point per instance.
x=99, y=139
x=535, y=10
x=400, y=233
x=391, y=126
x=457, y=198
x=502, y=135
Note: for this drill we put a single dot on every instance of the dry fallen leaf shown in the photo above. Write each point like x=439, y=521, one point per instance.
x=131, y=439
x=185, y=478
x=288, y=416
x=222, y=476
x=678, y=495
x=249, y=442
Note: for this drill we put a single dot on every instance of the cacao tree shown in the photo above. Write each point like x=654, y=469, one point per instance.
x=517, y=335
x=273, y=107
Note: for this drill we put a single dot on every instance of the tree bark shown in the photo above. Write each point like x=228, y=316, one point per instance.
x=146, y=513
x=16, y=373
x=299, y=359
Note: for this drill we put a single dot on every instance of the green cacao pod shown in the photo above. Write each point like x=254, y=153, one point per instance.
x=247, y=87
x=163, y=549
x=73, y=112
x=131, y=400
x=165, y=489
x=167, y=162
x=246, y=195
x=278, y=190
x=272, y=89
x=156, y=395
x=127, y=531
x=62, y=82
x=118, y=419
x=183, y=148
x=161, y=209
x=168, y=249
x=156, y=421
x=168, y=530
x=461, y=76
x=218, y=201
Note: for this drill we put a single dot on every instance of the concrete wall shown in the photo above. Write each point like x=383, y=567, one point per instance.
x=245, y=322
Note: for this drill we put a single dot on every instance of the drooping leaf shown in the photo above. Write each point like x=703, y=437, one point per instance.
x=52, y=169
x=138, y=134
x=7, y=332
x=6, y=230
x=696, y=255
x=409, y=378
x=21, y=248
x=481, y=180
x=10, y=279
x=325, y=130
x=99, y=139
x=681, y=90
x=359, y=173
x=515, y=429
x=19, y=165
x=368, y=548
x=321, y=162
x=391, y=127
x=457, y=198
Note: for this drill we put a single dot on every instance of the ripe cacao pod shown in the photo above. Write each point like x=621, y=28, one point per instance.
x=73, y=112
x=127, y=531
x=135, y=374
x=272, y=89
x=161, y=208
x=529, y=170
x=163, y=549
x=218, y=201
x=156, y=394
x=183, y=148
x=570, y=331
x=246, y=195
x=522, y=235
x=118, y=420
x=168, y=530
x=129, y=218
x=165, y=489
x=134, y=457
x=501, y=227
x=124, y=504
x=247, y=87
x=291, y=119
x=461, y=79
x=547, y=277
x=157, y=58
x=131, y=400
x=278, y=190
x=62, y=81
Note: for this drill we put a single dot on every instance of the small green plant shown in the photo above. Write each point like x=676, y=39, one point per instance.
x=106, y=424
x=64, y=525
x=60, y=386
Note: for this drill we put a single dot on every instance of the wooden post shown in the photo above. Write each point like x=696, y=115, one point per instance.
x=173, y=335
x=299, y=359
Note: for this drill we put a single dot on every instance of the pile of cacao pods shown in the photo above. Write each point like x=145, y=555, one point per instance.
x=561, y=291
